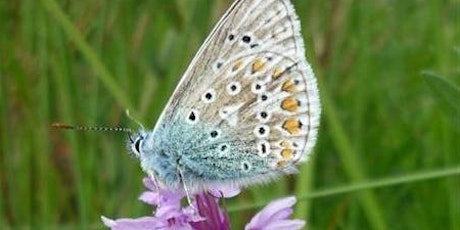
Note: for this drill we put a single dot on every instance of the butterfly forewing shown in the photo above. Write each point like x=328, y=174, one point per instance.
x=249, y=97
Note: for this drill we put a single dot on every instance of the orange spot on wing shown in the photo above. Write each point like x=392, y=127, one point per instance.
x=292, y=125
x=282, y=164
x=287, y=154
x=285, y=144
x=290, y=104
x=277, y=73
x=258, y=65
x=289, y=86
x=238, y=64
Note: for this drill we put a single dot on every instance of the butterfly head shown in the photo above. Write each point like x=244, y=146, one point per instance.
x=135, y=143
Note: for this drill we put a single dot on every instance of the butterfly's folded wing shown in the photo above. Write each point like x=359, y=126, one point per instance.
x=249, y=100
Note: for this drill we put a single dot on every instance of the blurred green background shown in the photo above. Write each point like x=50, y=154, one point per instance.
x=389, y=74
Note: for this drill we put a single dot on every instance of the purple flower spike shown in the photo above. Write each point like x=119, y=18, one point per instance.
x=168, y=215
x=214, y=218
x=274, y=216
x=204, y=214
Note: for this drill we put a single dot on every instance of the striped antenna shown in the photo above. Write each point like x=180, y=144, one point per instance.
x=85, y=128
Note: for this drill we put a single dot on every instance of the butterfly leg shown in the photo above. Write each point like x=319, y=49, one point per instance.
x=187, y=192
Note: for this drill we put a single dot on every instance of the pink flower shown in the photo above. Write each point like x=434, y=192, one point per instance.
x=275, y=216
x=205, y=213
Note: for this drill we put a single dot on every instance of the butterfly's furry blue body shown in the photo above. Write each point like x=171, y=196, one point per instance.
x=178, y=146
x=246, y=110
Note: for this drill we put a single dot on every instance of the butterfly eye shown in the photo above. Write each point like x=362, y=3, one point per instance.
x=136, y=148
x=137, y=145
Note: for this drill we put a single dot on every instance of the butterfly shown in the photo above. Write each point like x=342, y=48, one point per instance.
x=246, y=110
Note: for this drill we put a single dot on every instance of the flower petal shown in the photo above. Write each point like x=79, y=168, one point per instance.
x=170, y=197
x=168, y=212
x=274, y=214
x=149, y=198
x=193, y=214
x=285, y=225
x=150, y=184
x=143, y=223
x=220, y=191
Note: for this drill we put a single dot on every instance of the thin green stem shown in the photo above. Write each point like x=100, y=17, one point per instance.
x=382, y=183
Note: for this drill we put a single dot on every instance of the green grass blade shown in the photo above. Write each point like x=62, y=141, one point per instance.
x=359, y=187
x=101, y=71
x=350, y=160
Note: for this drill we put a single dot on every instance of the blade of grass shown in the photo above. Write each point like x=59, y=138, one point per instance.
x=93, y=59
x=64, y=101
x=44, y=180
x=348, y=154
x=379, y=183
x=304, y=185
x=350, y=160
